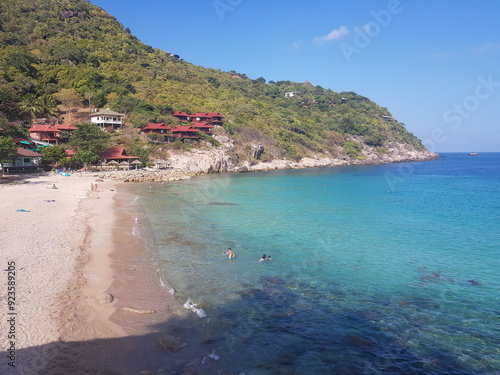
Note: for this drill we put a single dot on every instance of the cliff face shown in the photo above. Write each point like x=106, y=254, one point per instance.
x=217, y=161
x=182, y=165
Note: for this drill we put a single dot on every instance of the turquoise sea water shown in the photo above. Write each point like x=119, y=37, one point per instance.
x=389, y=269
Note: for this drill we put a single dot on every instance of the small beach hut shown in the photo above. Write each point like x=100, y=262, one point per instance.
x=124, y=164
x=136, y=163
x=112, y=163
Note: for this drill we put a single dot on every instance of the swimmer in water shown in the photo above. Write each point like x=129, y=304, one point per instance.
x=230, y=254
x=264, y=257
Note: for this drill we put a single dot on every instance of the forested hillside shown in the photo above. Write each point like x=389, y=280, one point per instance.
x=71, y=54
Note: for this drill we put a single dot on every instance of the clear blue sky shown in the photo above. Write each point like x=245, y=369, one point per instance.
x=434, y=65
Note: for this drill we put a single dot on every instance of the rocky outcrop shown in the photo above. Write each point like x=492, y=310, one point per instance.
x=184, y=165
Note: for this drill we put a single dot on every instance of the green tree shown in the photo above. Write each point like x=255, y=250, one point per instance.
x=31, y=105
x=53, y=155
x=48, y=105
x=89, y=137
x=84, y=158
x=7, y=150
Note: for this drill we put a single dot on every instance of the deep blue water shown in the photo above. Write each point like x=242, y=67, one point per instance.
x=388, y=269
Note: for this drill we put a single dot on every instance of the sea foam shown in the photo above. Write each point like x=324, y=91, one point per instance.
x=190, y=305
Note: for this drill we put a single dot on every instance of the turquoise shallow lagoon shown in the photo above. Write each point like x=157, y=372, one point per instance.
x=388, y=269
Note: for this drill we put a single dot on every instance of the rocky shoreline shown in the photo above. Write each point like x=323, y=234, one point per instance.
x=200, y=162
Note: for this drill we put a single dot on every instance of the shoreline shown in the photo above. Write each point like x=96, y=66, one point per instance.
x=91, y=245
x=68, y=245
x=196, y=163
x=104, y=256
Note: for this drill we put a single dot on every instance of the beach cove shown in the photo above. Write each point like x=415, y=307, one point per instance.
x=63, y=251
x=412, y=291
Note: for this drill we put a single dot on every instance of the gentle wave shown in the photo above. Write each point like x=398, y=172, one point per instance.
x=190, y=305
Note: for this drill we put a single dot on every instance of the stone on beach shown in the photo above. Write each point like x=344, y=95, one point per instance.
x=104, y=298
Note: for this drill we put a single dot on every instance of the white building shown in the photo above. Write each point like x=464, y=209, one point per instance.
x=107, y=118
x=23, y=160
x=291, y=94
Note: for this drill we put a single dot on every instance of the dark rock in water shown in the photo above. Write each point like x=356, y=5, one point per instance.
x=169, y=343
x=474, y=282
x=222, y=204
x=273, y=280
x=372, y=314
x=242, y=169
x=360, y=341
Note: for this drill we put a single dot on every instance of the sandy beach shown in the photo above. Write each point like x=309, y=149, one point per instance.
x=61, y=248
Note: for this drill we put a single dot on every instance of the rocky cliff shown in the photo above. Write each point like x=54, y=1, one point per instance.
x=208, y=160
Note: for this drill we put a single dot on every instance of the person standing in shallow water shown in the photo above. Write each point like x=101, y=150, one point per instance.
x=230, y=254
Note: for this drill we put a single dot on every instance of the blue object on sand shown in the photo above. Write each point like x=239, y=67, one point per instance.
x=64, y=174
x=22, y=210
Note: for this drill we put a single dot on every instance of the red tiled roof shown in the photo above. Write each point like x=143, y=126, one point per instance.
x=27, y=153
x=215, y=114
x=203, y=124
x=116, y=153
x=179, y=113
x=151, y=125
x=65, y=127
x=17, y=140
x=42, y=128
x=70, y=153
x=184, y=129
x=50, y=128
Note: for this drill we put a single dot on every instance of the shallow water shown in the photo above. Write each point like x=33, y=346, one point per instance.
x=389, y=269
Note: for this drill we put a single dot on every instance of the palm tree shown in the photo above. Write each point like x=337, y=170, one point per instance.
x=31, y=105
x=48, y=105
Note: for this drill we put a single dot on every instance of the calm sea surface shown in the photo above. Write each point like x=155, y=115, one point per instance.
x=390, y=269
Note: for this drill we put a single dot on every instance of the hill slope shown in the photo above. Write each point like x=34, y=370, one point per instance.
x=76, y=52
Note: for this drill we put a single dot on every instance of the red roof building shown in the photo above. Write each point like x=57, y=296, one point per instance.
x=181, y=116
x=214, y=118
x=70, y=153
x=185, y=132
x=116, y=154
x=160, y=128
x=204, y=127
x=49, y=133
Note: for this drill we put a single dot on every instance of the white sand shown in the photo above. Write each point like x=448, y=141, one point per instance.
x=49, y=245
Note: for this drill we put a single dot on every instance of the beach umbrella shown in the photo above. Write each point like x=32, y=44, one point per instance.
x=136, y=163
x=112, y=162
x=125, y=164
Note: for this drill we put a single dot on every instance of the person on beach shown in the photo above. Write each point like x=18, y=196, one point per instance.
x=230, y=254
x=54, y=186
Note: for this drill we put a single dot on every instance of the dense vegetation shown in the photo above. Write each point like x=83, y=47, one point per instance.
x=73, y=54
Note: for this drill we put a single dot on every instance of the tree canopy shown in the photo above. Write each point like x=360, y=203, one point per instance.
x=7, y=150
x=74, y=52
x=89, y=137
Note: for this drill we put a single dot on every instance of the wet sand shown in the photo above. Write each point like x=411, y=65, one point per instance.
x=68, y=246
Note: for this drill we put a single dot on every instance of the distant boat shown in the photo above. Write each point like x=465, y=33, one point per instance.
x=473, y=154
